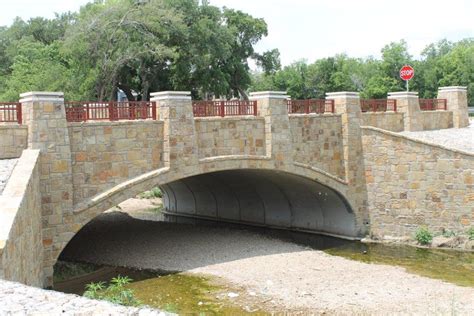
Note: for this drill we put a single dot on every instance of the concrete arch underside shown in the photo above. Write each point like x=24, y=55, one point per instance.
x=261, y=197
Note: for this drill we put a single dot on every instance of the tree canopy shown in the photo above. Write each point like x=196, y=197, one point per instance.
x=441, y=64
x=135, y=46
x=155, y=45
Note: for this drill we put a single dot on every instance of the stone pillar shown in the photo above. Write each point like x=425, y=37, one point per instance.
x=44, y=114
x=272, y=105
x=180, y=143
x=347, y=104
x=456, y=97
x=409, y=105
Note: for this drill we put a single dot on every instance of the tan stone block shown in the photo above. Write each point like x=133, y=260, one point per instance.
x=59, y=166
x=48, y=107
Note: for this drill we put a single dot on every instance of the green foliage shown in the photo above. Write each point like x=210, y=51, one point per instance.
x=448, y=233
x=153, y=193
x=116, y=292
x=423, y=236
x=441, y=64
x=136, y=47
x=470, y=233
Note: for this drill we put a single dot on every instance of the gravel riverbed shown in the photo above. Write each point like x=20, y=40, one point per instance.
x=295, y=277
x=456, y=138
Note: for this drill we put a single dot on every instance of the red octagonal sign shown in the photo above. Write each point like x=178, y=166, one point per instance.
x=407, y=72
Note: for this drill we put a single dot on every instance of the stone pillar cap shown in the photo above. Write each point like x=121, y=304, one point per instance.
x=175, y=95
x=268, y=95
x=406, y=94
x=453, y=88
x=41, y=96
x=342, y=94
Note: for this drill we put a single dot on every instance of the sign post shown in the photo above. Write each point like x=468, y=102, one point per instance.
x=406, y=73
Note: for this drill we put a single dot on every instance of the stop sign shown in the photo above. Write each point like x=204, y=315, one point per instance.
x=407, y=72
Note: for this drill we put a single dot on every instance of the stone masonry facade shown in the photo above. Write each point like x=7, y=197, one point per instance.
x=86, y=168
x=412, y=183
x=21, y=247
x=13, y=140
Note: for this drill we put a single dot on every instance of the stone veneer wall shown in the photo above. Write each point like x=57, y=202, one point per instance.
x=390, y=121
x=431, y=120
x=230, y=136
x=412, y=183
x=317, y=141
x=13, y=139
x=21, y=248
x=105, y=154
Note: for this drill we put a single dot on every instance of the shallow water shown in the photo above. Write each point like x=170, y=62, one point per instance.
x=194, y=294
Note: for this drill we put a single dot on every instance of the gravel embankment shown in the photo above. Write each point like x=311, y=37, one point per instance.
x=19, y=299
x=6, y=168
x=457, y=138
x=296, y=278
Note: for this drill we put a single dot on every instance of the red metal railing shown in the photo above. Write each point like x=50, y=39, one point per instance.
x=224, y=108
x=433, y=104
x=10, y=112
x=110, y=111
x=378, y=105
x=318, y=106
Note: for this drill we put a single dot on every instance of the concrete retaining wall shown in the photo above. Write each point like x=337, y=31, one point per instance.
x=21, y=247
x=230, y=136
x=107, y=153
x=13, y=140
x=317, y=141
x=390, y=121
x=411, y=183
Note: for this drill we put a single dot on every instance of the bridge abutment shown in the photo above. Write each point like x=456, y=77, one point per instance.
x=45, y=116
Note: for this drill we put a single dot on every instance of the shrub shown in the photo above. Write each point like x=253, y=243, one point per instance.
x=448, y=233
x=115, y=292
x=423, y=236
x=153, y=193
x=470, y=233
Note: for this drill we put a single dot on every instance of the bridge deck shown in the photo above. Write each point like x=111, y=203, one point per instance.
x=6, y=168
x=456, y=138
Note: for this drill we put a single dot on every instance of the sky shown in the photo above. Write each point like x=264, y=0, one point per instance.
x=312, y=29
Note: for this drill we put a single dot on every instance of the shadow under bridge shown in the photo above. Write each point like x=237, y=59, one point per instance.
x=263, y=198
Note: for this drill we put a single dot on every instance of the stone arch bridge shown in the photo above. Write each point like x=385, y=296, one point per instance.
x=346, y=173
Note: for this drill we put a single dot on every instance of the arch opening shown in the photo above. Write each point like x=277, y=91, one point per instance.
x=263, y=198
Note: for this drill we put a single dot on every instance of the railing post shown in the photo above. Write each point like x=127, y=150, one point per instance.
x=408, y=104
x=87, y=116
x=180, y=141
x=222, y=108
x=19, y=113
x=254, y=108
x=456, y=101
x=153, y=110
x=273, y=106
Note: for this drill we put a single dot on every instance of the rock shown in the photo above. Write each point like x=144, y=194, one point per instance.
x=469, y=245
x=447, y=242
x=232, y=295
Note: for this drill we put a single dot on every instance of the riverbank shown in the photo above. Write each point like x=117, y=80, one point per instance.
x=282, y=275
